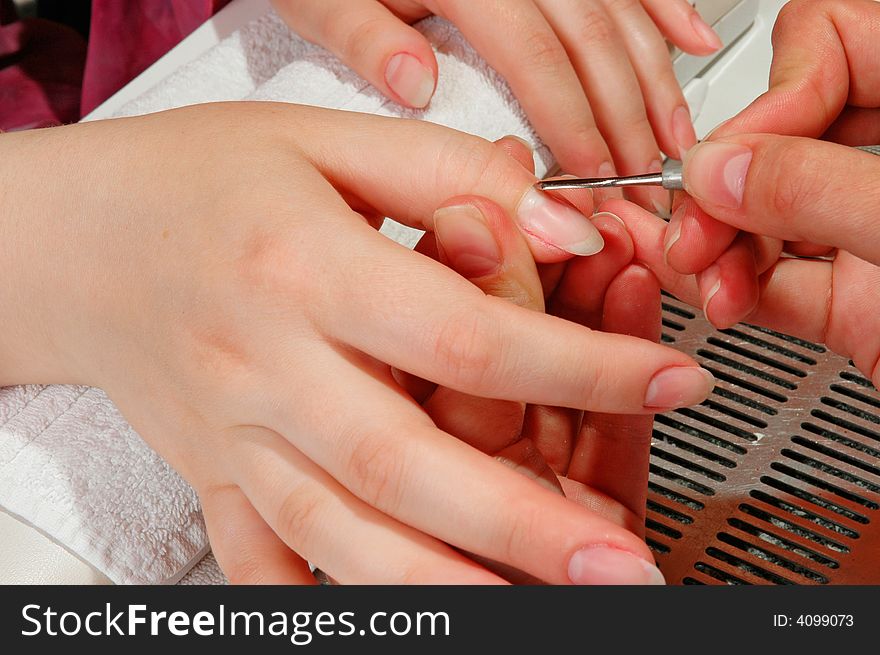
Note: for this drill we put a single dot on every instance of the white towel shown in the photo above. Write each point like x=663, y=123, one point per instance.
x=69, y=463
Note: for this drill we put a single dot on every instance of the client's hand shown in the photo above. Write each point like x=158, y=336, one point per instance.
x=212, y=268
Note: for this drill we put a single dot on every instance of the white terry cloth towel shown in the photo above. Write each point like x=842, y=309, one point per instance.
x=70, y=465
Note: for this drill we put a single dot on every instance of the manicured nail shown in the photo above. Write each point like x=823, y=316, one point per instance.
x=604, y=565
x=683, y=130
x=673, y=231
x=617, y=218
x=706, y=33
x=679, y=386
x=466, y=240
x=557, y=224
x=410, y=80
x=715, y=172
x=710, y=285
x=606, y=169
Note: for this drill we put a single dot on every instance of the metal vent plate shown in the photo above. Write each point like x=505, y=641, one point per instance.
x=775, y=479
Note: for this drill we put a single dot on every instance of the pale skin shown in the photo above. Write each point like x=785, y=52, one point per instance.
x=594, y=76
x=753, y=194
x=216, y=270
x=797, y=189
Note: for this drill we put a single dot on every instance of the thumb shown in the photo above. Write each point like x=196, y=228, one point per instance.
x=791, y=188
x=376, y=44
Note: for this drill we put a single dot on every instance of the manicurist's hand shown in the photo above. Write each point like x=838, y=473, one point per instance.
x=215, y=270
x=781, y=169
x=594, y=76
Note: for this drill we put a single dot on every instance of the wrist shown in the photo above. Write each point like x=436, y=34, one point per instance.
x=31, y=278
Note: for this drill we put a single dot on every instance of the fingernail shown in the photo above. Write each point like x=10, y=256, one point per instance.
x=710, y=279
x=706, y=33
x=683, y=130
x=679, y=386
x=606, y=169
x=557, y=224
x=716, y=172
x=466, y=241
x=673, y=232
x=603, y=565
x=617, y=218
x=410, y=80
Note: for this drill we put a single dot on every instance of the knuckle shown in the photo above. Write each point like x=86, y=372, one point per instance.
x=264, y=264
x=377, y=467
x=596, y=25
x=466, y=347
x=298, y=517
x=796, y=179
x=525, y=521
x=357, y=42
x=546, y=54
x=474, y=164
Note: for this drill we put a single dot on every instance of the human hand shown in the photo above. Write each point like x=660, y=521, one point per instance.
x=594, y=76
x=832, y=301
x=823, y=85
x=214, y=272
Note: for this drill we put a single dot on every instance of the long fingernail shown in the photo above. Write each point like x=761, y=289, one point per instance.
x=716, y=172
x=410, y=80
x=679, y=386
x=466, y=240
x=683, y=130
x=604, y=565
x=557, y=224
x=673, y=231
x=706, y=33
x=710, y=285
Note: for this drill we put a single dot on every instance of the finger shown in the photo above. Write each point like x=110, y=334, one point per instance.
x=508, y=272
x=553, y=431
x=668, y=111
x=385, y=51
x=856, y=126
x=520, y=150
x=729, y=287
x=440, y=164
x=790, y=188
x=613, y=452
x=794, y=293
x=694, y=240
x=309, y=511
x=803, y=249
x=487, y=347
x=476, y=239
x=683, y=25
x=246, y=548
x=822, y=62
x=525, y=50
x=596, y=49
x=580, y=296
x=386, y=452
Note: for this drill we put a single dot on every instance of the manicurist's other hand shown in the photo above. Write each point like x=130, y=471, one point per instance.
x=781, y=177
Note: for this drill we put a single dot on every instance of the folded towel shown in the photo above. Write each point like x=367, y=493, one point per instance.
x=69, y=463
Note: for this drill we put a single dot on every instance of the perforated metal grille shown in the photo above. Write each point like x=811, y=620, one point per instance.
x=775, y=479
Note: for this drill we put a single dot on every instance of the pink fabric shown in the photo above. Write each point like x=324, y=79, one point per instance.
x=126, y=37
x=41, y=67
x=47, y=79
